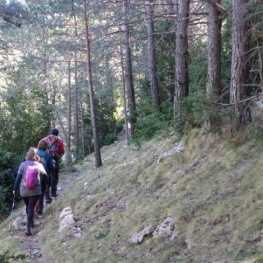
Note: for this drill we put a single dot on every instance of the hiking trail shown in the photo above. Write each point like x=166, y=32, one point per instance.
x=31, y=245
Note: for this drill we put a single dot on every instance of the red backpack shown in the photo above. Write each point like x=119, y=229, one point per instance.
x=52, y=142
x=31, y=177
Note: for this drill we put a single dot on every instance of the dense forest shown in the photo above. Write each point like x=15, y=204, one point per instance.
x=94, y=68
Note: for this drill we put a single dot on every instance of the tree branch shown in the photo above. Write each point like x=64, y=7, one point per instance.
x=221, y=9
x=218, y=7
x=256, y=33
x=9, y=20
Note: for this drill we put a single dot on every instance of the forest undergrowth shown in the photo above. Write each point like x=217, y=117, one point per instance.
x=212, y=189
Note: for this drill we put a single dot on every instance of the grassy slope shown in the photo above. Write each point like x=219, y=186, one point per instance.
x=217, y=205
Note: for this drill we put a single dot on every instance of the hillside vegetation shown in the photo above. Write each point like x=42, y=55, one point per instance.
x=213, y=190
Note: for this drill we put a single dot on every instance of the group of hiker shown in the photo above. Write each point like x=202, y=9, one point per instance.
x=38, y=176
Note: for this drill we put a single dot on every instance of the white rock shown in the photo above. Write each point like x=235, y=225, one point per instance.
x=176, y=149
x=138, y=238
x=165, y=229
x=65, y=211
x=66, y=222
x=18, y=222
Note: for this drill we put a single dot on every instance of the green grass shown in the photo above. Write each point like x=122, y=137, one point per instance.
x=217, y=204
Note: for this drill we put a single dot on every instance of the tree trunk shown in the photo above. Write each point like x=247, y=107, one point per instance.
x=76, y=95
x=239, y=88
x=214, y=22
x=129, y=76
x=124, y=97
x=62, y=127
x=98, y=161
x=172, y=5
x=213, y=80
x=69, y=103
x=181, y=54
x=76, y=111
x=152, y=56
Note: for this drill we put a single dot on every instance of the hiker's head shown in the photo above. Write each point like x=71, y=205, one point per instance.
x=32, y=154
x=54, y=132
x=42, y=145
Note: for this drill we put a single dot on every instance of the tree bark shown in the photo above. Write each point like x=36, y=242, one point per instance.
x=181, y=54
x=98, y=161
x=214, y=22
x=124, y=97
x=69, y=102
x=76, y=95
x=152, y=56
x=76, y=111
x=240, y=67
x=129, y=76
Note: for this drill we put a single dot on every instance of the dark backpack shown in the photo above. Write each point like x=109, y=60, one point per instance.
x=44, y=161
x=52, y=147
x=31, y=177
x=44, y=177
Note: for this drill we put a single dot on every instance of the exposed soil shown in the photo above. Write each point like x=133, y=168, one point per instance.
x=30, y=244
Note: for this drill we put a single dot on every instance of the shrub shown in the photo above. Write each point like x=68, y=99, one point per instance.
x=5, y=258
x=192, y=113
x=8, y=168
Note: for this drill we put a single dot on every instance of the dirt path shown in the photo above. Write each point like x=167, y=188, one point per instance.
x=31, y=245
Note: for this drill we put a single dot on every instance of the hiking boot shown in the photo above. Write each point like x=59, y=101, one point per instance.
x=28, y=232
x=39, y=214
x=49, y=201
x=54, y=195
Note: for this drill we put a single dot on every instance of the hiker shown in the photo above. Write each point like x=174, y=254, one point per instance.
x=56, y=150
x=46, y=160
x=29, y=196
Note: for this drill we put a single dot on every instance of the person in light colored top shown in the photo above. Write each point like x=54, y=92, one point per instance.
x=30, y=197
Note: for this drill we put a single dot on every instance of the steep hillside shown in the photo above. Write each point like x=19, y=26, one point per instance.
x=195, y=200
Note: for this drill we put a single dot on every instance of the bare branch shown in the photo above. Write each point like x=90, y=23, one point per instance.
x=218, y=7
x=9, y=20
x=256, y=33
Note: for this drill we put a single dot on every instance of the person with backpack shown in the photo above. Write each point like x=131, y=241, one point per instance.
x=56, y=150
x=28, y=177
x=46, y=160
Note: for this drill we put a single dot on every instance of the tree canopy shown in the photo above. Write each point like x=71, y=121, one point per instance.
x=151, y=65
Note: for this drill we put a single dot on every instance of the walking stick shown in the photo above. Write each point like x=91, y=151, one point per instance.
x=12, y=211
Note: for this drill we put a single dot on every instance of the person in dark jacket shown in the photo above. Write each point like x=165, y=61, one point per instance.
x=30, y=197
x=56, y=150
x=46, y=160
